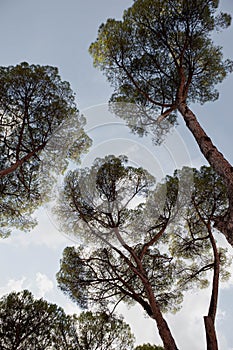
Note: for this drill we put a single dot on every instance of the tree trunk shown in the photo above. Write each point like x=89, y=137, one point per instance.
x=218, y=163
x=164, y=331
x=215, y=283
x=211, y=339
x=154, y=312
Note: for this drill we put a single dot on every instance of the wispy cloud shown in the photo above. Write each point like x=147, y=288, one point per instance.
x=13, y=285
x=43, y=284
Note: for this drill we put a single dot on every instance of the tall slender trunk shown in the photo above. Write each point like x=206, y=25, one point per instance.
x=218, y=163
x=211, y=338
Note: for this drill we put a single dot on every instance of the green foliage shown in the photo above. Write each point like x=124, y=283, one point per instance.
x=103, y=277
x=148, y=347
x=191, y=242
x=97, y=205
x=166, y=238
x=27, y=323
x=159, y=55
x=73, y=276
x=34, y=102
x=95, y=201
x=101, y=331
x=19, y=198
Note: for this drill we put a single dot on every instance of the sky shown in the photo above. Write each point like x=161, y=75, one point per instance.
x=58, y=33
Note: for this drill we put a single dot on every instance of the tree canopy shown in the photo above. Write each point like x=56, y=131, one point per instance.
x=102, y=331
x=149, y=253
x=149, y=347
x=28, y=323
x=156, y=45
x=161, y=57
x=34, y=102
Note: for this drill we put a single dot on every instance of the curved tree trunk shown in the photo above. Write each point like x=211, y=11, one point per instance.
x=218, y=163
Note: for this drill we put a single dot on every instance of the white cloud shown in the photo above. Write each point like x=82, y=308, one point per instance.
x=43, y=285
x=188, y=324
x=44, y=234
x=71, y=308
x=13, y=285
x=143, y=327
x=39, y=286
x=222, y=342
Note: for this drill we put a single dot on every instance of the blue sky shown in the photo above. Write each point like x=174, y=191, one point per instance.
x=58, y=33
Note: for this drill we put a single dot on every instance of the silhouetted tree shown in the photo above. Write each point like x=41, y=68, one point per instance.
x=27, y=323
x=162, y=58
x=34, y=102
x=148, y=347
x=149, y=254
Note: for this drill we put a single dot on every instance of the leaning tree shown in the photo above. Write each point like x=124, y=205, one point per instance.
x=162, y=58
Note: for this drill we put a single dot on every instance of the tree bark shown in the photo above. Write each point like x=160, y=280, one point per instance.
x=164, y=331
x=218, y=163
x=155, y=312
x=215, y=283
x=211, y=339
